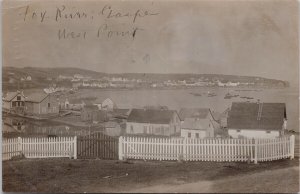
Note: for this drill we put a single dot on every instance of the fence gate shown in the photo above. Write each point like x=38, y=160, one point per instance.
x=97, y=145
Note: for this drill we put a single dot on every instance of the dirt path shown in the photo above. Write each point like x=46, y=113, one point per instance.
x=269, y=181
x=65, y=175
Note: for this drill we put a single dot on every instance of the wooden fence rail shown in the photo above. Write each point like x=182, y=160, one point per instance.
x=39, y=147
x=231, y=150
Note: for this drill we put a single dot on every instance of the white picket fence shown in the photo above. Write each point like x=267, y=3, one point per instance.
x=219, y=150
x=39, y=147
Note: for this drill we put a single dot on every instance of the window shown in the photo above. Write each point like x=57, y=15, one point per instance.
x=18, y=97
x=238, y=130
x=268, y=131
x=13, y=104
x=189, y=135
x=48, y=105
x=197, y=135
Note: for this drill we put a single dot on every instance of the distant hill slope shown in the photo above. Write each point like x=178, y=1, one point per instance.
x=42, y=77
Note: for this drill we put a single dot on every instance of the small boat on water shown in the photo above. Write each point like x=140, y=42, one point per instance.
x=195, y=94
x=211, y=94
x=245, y=97
x=229, y=96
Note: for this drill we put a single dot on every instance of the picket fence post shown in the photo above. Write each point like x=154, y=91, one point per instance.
x=292, y=146
x=255, y=150
x=184, y=154
x=75, y=147
x=20, y=145
x=121, y=148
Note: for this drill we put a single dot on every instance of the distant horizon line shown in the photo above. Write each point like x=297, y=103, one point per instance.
x=80, y=68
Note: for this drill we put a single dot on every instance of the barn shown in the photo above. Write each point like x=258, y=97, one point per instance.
x=41, y=103
x=256, y=120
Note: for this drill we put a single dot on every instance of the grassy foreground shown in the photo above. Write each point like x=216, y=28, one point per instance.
x=65, y=175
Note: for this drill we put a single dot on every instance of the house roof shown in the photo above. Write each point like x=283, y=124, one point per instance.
x=247, y=115
x=193, y=113
x=11, y=95
x=100, y=99
x=151, y=116
x=218, y=116
x=36, y=97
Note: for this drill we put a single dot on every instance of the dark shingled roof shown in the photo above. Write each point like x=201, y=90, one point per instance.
x=246, y=116
x=11, y=95
x=151, y=116
x=36, y=97
x=193, y=113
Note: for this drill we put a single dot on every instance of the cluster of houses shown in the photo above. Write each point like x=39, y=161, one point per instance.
x=241, y=120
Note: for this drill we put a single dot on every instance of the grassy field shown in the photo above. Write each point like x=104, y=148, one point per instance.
x=64, y=175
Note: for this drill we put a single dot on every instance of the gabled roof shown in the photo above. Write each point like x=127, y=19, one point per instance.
x=11, y=95
x=245, y=115
x=151, y=116
x=36, y=97
x=193, y=113
x=100, y=99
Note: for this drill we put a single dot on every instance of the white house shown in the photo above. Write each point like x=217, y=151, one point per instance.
x=256, y=120
x=197, y=123
x=153, y=122
x=104, y=103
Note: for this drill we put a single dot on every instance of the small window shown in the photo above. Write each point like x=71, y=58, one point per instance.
x=13, y=104
x=268, y=131
x=238, y=130
x=197, y=135
x=18, y=97
x=48, y=105
x=189, y=135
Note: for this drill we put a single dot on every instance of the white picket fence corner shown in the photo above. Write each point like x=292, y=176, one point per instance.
x=219, y=150
x=39, y=147
x=151, y=148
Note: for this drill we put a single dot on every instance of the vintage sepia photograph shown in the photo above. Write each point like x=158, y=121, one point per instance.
x=152, y=96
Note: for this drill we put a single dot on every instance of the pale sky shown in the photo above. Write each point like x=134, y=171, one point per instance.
x=256, y=38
